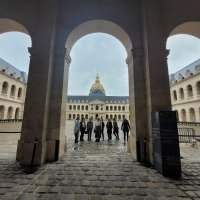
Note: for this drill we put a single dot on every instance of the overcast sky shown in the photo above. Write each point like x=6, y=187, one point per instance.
x=99, y=53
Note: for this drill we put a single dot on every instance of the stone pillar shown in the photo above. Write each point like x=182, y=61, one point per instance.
x=32, y=144
x=56, y=137
x=138, y=111
x=157, y=79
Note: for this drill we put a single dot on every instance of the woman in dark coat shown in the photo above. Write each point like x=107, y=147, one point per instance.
x=109, y=127
x=98, y=130
x=115, y=129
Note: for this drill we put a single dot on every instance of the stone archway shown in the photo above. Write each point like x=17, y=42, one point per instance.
x=138, y=102
x=7, y=26
x=113, y=29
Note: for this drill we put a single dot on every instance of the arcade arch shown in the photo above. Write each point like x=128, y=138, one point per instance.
x=113, y=29
x=15, y=82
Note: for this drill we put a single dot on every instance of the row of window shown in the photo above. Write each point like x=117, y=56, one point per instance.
x=97, y=107
x=13, y=90
x=12, y=113
x=187, y=116
x=189, y=89
x=74, y=116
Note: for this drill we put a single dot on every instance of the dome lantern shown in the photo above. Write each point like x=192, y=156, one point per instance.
x=97, y=88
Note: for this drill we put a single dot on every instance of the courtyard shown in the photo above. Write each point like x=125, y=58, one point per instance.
x=91, y=171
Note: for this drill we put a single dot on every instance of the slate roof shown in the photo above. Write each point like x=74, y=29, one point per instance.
x=113, y=99
x=187, y=71
x=9, y=70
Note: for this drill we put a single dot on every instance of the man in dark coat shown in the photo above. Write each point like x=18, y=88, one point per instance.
x=125, y=128
x=115, y=129
x=90, y=128
x=102, y=128
x=109, y=127
x=82, y=128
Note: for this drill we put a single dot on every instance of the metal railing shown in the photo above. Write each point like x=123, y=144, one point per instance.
x=187, y=135
x=188, y=123
x=10, y=120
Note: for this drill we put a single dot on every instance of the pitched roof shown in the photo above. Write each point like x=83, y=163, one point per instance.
x=188, y=70
x=9, y=70
x=113, y=99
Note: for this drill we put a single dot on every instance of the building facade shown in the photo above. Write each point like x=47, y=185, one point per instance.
x=97, y=104
x=12, y=91
x=185, y=92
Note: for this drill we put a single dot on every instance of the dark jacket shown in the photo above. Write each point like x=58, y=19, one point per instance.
x=82, y=126
x=109, y=126
x=90, y=125
x=115, y=125
x=125, y=125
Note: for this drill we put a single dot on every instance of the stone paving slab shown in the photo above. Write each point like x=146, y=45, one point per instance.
x=91, y=171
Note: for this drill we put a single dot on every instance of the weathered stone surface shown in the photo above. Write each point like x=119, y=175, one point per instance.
x=97, y=172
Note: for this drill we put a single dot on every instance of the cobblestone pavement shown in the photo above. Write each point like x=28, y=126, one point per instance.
x=91, y=171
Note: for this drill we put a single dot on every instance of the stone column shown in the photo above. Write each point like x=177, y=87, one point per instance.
x=32, y=144
x=138, y=111
x=157, y=79
x=56, y=137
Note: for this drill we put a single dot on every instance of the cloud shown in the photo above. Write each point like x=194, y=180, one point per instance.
x=184, y=49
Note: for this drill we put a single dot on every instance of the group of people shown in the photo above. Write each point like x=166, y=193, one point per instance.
x=81, y=128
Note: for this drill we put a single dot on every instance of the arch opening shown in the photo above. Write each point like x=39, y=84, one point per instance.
x=184, y=66
x=15, y=41
x=103, y=27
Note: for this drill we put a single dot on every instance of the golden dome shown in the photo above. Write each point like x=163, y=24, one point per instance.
x=97, y=88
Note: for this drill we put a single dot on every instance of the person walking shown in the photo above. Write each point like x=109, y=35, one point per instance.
x=115, y=129
x=109, y=127
x=76, y=129
x=82, y=129
x=125, y=127
x=90, y=128
x=98, y=130
x=102, y=128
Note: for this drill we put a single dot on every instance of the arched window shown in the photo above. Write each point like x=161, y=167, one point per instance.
x=2, y=112
x=119, y=117
x=106, y=116
x=111, y=108
x=181, y=93
x=17, y=113
x=115, y=108
x=177, y=115
x=174, y=95
x=78, y=107
x=4, y=88
x=115, y=117
x=119, y=108
x=74, y=116
x=107, y=108
x=86, y=107
x=82, y=116
x=183, y=115
x=198, y=88
x=97, y=107
x=86, y=116
x=12, y=91
x=10, y=113
x=192, y=115
x=111, y=116
x=70, y=116
x=82, y=107
x=189, y=91
x=123, y=108
x=70, y=107
x=19, y=94
x=74, y=107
